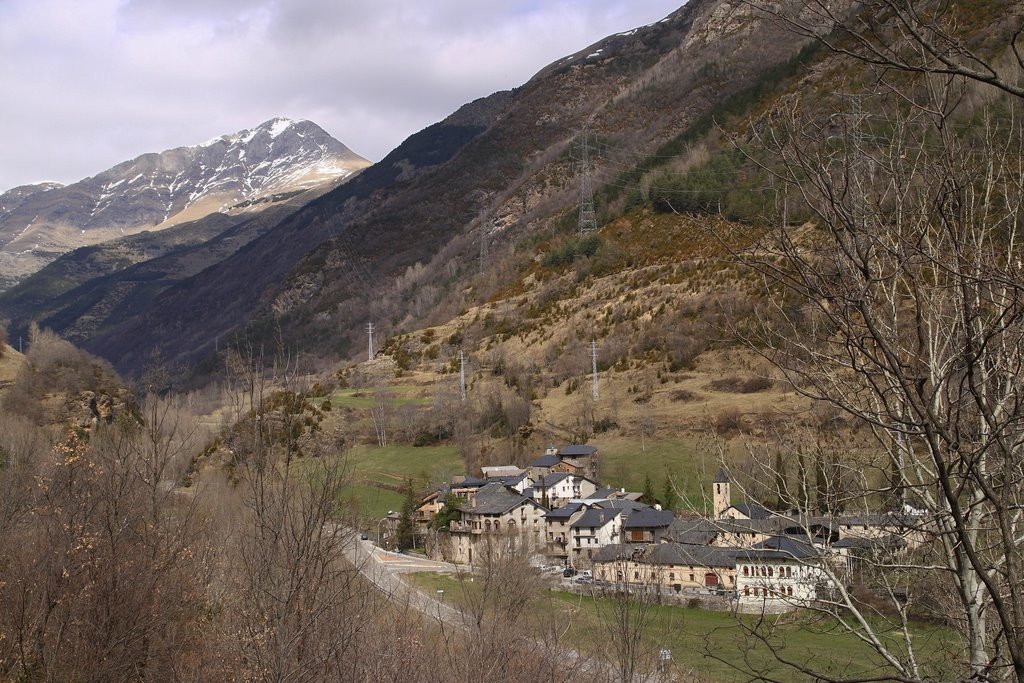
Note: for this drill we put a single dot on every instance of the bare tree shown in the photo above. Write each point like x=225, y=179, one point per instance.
x=903, y=308
x=922, y=36
x=294, y=607
x=506, y=629
x=381, y=413
x=101, y=577
x=626, y=600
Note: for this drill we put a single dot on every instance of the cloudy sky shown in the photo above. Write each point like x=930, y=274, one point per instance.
x=89, y=83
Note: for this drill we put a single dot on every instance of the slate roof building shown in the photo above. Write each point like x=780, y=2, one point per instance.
x=558, y=529
x=669, y=566
x=646, y=525
x=595, y=528
x=558, y=488
x=573, y=459
x=497, y=519
x=779, y=574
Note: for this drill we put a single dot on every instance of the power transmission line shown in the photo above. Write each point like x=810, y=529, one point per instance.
x=588, y=219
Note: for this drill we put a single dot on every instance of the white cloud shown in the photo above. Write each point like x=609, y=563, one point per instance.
x=89, y=84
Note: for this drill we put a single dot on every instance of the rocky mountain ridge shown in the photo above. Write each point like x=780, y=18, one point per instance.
x=400, y=242
x=231, y=174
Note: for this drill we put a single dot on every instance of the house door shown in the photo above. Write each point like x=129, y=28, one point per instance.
x=710, y=580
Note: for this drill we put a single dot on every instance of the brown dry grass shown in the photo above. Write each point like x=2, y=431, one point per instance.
x=10, y=362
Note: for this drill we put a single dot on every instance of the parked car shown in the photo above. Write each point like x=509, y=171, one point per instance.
x=364, y=536
x=585, y=580
x=569, y=571
x=587, y=573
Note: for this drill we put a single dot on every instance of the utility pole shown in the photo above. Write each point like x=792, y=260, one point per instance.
x=859, y=162
x=588, y=220
x=462, y=374
x=369, y=331
x=593, y=361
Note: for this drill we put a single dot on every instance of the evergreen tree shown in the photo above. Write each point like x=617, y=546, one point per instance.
x=784, y=500
x=647, y=495
x=407, y=519
x=669, y=498
x=450, y=512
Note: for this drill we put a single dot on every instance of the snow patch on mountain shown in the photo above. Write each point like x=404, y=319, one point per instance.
x=232, y=172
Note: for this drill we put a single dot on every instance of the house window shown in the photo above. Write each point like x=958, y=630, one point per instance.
x=789, y=572
x=746, y=591
x=636, y=535
x=671, y=576
x=789, y=591
x=746, y=571
x=692, y=579
x=771, y=571
x=756, y=591
x=636, y=575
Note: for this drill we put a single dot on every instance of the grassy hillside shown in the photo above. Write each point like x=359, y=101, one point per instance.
x=677, y=393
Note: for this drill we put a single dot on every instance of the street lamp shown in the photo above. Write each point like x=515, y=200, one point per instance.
x=379, y=533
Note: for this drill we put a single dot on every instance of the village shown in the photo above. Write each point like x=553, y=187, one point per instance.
x=741, y=556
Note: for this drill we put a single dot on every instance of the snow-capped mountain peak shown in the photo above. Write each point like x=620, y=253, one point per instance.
x=230, y=173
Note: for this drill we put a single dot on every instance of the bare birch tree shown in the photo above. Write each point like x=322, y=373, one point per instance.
x=901, y=306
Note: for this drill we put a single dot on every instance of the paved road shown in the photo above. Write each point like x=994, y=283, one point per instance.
x=383, y=569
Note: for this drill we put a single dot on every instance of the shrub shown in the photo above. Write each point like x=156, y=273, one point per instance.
x=730, y=421
x=741, y=385
x=683, y=396
x=585, y=246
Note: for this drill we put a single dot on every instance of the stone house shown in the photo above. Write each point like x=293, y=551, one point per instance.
x=574, y=459
x=668, y=566
x=496, y=516
x=558, y=531
x=559, y=488
x=779, y=574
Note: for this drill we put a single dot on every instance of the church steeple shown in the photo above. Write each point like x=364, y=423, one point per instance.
x=721, y=494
